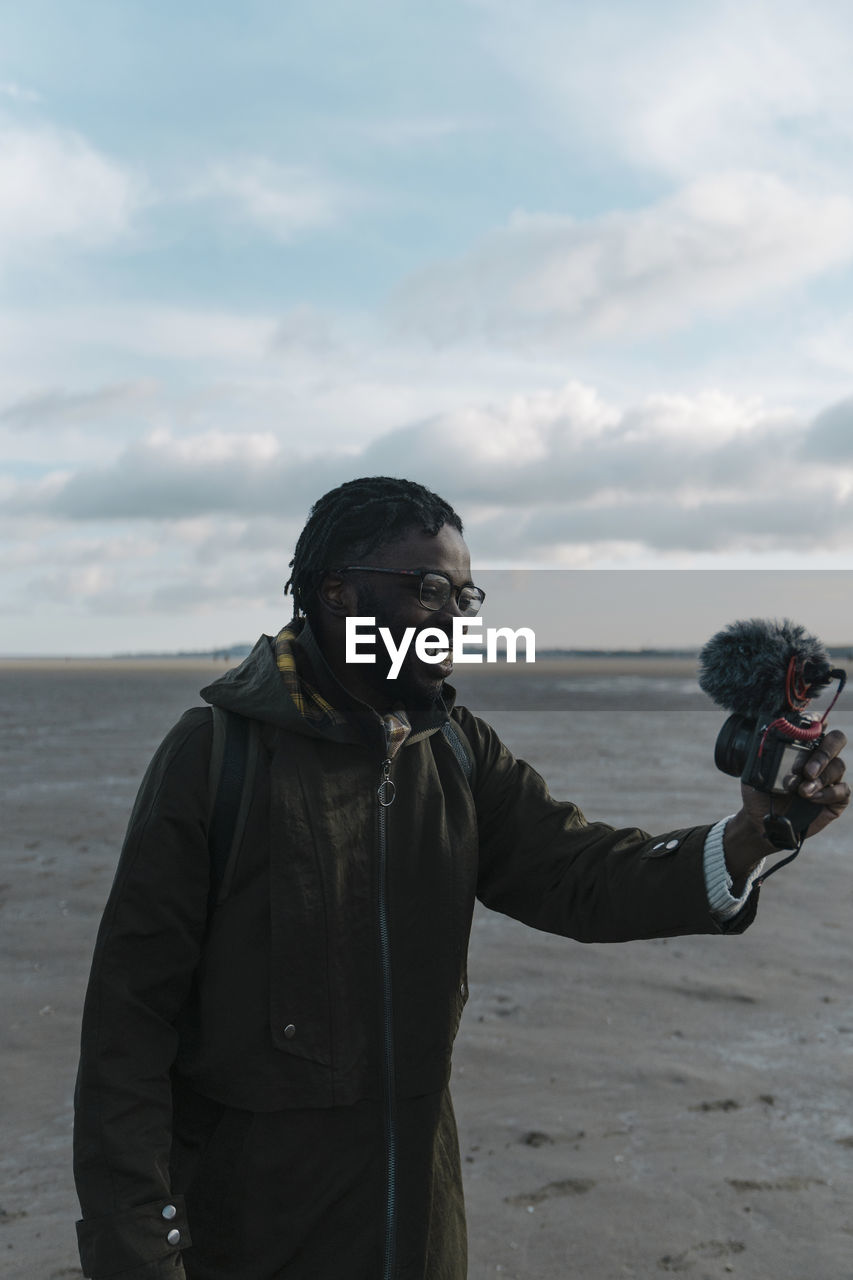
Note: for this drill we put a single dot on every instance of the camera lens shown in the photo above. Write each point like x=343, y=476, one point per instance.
x=732, y=744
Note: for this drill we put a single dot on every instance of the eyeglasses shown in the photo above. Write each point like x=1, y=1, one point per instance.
x=435, y=589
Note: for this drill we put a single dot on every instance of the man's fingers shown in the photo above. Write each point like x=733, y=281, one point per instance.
x=809, y=783
x=832, y=773
x=833, y=744
x=835, y=797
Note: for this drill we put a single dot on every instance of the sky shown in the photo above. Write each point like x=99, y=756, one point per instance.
x=586, y=270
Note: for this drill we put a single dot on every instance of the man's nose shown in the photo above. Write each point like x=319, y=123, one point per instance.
x=450, y=608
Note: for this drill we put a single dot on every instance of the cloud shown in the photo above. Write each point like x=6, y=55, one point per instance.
x=831, y=435
x=402, y=131
x=162, y=477
x=9, y=89
x=673, y=525
x=830, y=346
x=719, y=243
x=173, y=570
x=179, y=536
x=55, y=188
x=69, y=343
x=282, y=200
x=59, y=408
x=570, y=448
x=537, y=474
x=681, y=90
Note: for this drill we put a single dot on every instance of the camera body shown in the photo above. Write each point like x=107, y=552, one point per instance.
x=766, y=673
x=760, y=752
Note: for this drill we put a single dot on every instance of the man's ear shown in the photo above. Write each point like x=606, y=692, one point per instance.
x=336, y=594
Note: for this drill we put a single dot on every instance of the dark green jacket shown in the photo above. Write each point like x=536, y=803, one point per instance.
x=333, y=975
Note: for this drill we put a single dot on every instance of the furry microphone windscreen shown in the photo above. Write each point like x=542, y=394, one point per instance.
x=745, y=667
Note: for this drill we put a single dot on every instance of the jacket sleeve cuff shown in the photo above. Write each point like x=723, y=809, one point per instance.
x=718, y=883
x=129, y=1240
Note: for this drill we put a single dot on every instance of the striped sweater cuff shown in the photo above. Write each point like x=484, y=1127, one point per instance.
x=718, y=883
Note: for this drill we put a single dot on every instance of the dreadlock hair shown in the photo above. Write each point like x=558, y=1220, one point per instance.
x=351, y=521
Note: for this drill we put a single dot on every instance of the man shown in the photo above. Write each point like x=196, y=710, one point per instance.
x=263, y=1087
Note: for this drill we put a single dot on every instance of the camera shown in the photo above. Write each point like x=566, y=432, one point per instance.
x=766, y=673
x=761, y=752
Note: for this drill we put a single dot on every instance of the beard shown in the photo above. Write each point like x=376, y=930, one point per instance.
x=418, y=685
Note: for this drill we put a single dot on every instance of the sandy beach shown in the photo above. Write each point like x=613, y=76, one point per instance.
x=674, y=1106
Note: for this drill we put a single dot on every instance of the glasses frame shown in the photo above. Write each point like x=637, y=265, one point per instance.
x=453, y=592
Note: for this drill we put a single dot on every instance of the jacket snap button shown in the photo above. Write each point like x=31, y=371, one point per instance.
x=289, y=1031
x=174, y=1236
x=170, y=1212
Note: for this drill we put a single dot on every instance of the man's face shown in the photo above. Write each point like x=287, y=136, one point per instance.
x=393, y=602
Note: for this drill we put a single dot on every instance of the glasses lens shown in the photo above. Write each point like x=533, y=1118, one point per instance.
x=435, y=590
x=470, y=599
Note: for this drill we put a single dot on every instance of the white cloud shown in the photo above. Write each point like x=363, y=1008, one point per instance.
x=174, y=572
x=75, y=344
x=723, y=241
x=185, y=540
x=682, y=90
x=55, y=188
x=552, y=474
x=402, y=131
x=317, y=379
x=213, y=448
x=283, y=200
x=58, y=407
x=166, y=477
x=9, y=89
x=831, y=345
x=831, y=439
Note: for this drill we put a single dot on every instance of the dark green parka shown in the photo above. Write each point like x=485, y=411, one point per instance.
x=303, y=1029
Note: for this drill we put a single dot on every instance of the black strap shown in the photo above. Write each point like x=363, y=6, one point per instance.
x=459, y=748
x=788, y=830
x=232, y=760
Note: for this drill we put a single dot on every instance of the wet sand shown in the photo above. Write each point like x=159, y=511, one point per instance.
x=671, y=1106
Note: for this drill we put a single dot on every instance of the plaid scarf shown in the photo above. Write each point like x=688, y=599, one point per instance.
x=397, y=730
x=310, y=703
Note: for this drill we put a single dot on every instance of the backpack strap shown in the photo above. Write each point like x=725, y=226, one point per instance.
x=460, y=748
x=233, y=757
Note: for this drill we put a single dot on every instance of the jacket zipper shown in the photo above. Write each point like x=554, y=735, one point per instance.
x=385, y=793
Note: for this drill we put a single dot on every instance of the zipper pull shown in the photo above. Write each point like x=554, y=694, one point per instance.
x=386, y=790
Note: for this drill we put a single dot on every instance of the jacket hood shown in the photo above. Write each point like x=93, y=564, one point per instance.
x=307, y=698
x=256, y=689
